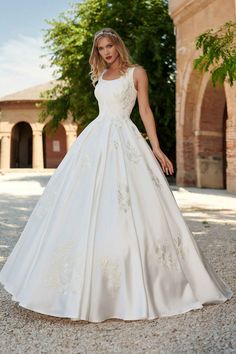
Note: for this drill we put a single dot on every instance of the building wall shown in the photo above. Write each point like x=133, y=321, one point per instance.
x=205, y=117
x=54, y=147
x=44, y=153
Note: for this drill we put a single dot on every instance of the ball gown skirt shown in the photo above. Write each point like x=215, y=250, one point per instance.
x=106, y=238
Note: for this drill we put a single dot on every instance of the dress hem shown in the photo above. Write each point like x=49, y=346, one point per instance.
x=195, y=306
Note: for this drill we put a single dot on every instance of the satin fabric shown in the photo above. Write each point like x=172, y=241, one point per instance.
x=106, y=239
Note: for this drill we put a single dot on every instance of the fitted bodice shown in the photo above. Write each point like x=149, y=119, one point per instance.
x=116, y=98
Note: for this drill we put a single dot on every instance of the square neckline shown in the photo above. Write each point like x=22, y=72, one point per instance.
x=118, y=78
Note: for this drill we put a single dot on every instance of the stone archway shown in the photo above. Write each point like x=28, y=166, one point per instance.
x=185, y=127
x=192, y=18
x=211, y=139
x=54, y=146
x=21, y=146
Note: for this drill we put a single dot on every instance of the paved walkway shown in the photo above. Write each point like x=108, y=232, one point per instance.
x=210, y=214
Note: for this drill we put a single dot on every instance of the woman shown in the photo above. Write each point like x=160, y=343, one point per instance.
x=107, y=239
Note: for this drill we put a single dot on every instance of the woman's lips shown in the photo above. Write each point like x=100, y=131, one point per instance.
x=109, y=57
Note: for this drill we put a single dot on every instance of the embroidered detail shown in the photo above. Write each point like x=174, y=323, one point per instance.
x=155, y=179
x=161, y=255
x=128, y=97
x=132, y=154
x=110, y=269
x=164, y=256
x=118, y=122
x=137, y=132
x=85, y=161
x=114, y=143
x=180, y=248
x=123, y=196
x=64, y=271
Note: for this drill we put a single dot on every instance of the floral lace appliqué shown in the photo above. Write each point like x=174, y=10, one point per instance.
x=128, y=93
x=123, y=196
x=155, y=179
x=115, y=144
x=180, y=248
x=137, y=132
x=163, y=255
x=111, y=271
x=64, y=272
x=118, y=122
x=132, y=154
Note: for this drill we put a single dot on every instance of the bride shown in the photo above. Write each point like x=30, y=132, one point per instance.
x=106, y=239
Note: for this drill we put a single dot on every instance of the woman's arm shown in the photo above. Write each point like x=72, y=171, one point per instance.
x=141, y=84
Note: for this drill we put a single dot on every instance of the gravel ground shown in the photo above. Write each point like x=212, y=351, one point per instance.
x=211, y=215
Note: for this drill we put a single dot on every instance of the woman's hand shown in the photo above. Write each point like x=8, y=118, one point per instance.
x=166, y=164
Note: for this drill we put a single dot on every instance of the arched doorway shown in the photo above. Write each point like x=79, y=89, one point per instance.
x=211, y=139
x=21, y=146
x=185, y=128
x=54, y=146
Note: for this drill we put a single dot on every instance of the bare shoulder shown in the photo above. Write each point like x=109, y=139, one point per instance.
x=140, y=76
x=139, y=71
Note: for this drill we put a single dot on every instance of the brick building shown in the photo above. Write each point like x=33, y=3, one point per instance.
x=23, y=143
x=205, y=116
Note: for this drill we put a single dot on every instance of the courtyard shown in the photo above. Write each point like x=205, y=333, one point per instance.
x=211, y=216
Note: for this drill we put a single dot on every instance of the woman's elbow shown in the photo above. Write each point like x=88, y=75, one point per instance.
x=144, y=111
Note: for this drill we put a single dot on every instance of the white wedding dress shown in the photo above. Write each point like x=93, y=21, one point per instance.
x=106, y=239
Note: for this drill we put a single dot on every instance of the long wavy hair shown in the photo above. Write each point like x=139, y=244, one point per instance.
x=98, y=64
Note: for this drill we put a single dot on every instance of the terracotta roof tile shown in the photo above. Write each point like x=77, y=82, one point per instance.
x=29, y=94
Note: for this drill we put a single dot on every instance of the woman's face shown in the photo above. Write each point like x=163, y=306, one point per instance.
x=107, y=50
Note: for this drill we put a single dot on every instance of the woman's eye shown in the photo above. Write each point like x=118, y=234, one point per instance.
x=109, y=45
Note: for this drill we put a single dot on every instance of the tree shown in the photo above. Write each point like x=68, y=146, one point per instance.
x=146, y=29
x=218, y=53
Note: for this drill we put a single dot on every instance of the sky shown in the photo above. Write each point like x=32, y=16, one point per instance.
x=21, y=25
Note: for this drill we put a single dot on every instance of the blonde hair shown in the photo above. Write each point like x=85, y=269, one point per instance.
x=98, y=64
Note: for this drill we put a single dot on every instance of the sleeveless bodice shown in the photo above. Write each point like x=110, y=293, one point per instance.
x=116, y=98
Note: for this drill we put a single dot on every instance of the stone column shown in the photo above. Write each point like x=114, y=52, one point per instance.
x=37, y=149
x=231, y=158
x=231, y=138
x=5, y=151
x=70, y=138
